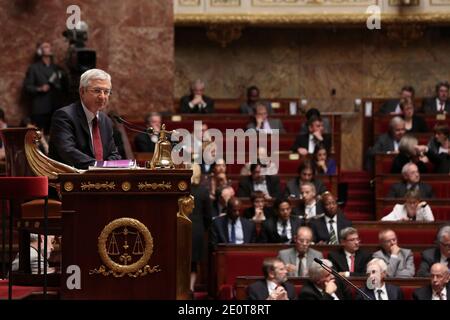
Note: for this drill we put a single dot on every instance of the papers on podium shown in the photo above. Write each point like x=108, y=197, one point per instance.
x=114, y=165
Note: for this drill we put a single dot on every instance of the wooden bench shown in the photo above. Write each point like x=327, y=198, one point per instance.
x=440, y=207
x=440, y=184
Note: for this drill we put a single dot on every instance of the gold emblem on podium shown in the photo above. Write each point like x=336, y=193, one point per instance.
x=68, y=186
x=125, y=246
x=126, y=186
x=182, y=185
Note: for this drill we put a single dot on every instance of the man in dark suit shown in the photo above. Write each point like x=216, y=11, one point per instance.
x=392, y=106
x=262, y=122
x=145, y=142
x=306, y=143
x=275, y=285
x=326, y=229
x=350, y=260
x=283, y=227
x=439, y=287
x=81, y=133
x=305, y=173
x=322, y=285
x=440, y=254
x=197, y=102
x=379, y=290
x=440, y=103
x=269, y=184
x=310, y=207
x=411, y=180
x=231, y=228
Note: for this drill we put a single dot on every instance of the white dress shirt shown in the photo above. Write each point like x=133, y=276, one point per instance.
x=89, y=116
x=327, y=222
x=384, y=295
x=271, y=286
x=399, y=213
x=261, y=186
x=439, y=107
x=435, y=296
x=238, y=231
x=311, y=144
x=310, y=210
x=288, y=228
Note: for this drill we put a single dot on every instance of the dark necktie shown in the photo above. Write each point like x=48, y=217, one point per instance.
x=333, y=238
x=97, y=140
x=379, y=292
x=233, y=232
x=284, y=230
x=300, y=271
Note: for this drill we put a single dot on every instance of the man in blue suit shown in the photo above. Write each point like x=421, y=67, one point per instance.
x=81, y=133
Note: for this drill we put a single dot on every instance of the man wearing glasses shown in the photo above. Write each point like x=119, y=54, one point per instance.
x=440, y=254
x=81, y=133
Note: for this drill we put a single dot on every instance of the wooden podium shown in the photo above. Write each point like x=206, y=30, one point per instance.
x=128, y=233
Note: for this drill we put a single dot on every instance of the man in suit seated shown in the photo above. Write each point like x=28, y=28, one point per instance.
x=306, y=173
x=440, y=103
x=82, y=133
x=263, y=123
x=145, y=142
x=231, y=228
x=283, y=227
x=350, y=260
x=256, y=181
x=392, y=106
x=196, y=101
x=400, y=261
x=223, y=195
x=249, y=106
x=306, y=143
x=299, y=259
x=310, y=207
x=439, y=287
x=379, y=290
x=411, y=181
x=439, y=254
x=326, y=229
x=36, y=262
x=322, y=285
x=275, y=285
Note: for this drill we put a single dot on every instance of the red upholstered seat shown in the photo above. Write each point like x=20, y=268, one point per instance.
x=23, y=187
x=405, y=236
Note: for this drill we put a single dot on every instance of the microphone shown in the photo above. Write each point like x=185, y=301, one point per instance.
x=336, y=274
x=129, y=125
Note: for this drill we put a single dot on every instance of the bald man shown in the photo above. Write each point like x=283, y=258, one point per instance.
x=439, y=287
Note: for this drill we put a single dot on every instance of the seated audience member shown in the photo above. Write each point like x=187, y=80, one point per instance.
x=313, y=112
x=223, y=195
x=259, y=211
x=408, y=153
x=275, y=285
x=3, y=125
x=439, y=254
x=310, y=207
x=387, y=142
x=439, y=143
x=249, y=106
x=412, y=210
x=145, y=142
x=399, y=261
x=262, y=122
x=232, y=228
x=393, y=106
x=411, y=181
x=281, y=228
x=196, y=101
x=322, y=285
x=43, y=144
x=269, y=167
x=300, y=258
x=217, y=179
x=323, y=164
x=269, y=185
x=305, y=143
x=305, y=174
x=36, y=262
x=350, y=260
x=413, y=123
x=439, y=103
x=377, y=272
x=439, y=287
x=201, y=220
x=326, y=229
x=120, y=137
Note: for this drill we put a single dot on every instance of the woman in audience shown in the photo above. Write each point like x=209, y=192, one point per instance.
x=322, y=163
x=440, y=141
x=412, y=210
x=408, y=152
x=259, y=211
x=305, y=174
x=413, y=123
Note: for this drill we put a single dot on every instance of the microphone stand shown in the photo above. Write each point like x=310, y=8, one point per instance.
x=335, y=273
x=132, y=126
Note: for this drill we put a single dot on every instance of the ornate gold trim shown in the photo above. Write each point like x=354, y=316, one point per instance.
x=126, y=186
x=97, y=186
x=134, y=270
x=305, y=19
x=185, y=206
x=182, y=185
x=144, y=186
x=68, y=186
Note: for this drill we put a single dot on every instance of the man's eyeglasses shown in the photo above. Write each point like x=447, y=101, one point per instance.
x=97, y=91
x=446, y=245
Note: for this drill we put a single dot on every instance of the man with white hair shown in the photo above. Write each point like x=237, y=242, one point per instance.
x=411, y=181
x=375, y=287
x=197, y=102
x=322, y=285
x=439, y=287
x=440, y=254
x=81, y=133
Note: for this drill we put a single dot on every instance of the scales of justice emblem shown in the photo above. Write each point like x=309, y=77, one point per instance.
x=125, y=246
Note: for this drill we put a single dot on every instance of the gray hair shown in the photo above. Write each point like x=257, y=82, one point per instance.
x=93, y=74
x=269, y=265
x=406, y=167
x=379, y=262
x=407, y=144
x=196, y=83
x=34, y=237
x=311, y=185
x=445, y=230
x=316, y=271
x=346, y=232
x=394, y=121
